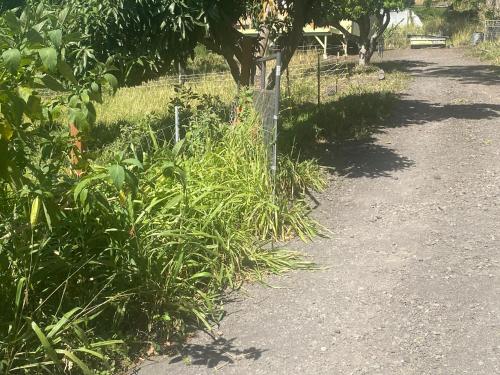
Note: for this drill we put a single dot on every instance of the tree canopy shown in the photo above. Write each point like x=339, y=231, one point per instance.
x=147, y=37
x=371, y=16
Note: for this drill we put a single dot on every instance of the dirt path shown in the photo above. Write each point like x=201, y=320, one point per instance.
x=413, y=278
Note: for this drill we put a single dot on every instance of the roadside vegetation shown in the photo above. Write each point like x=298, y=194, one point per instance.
x=126, y=245
x=488, y=51
x=457, y=24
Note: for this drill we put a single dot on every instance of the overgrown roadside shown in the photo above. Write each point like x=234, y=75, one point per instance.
x=411, y=285
x=488, y=51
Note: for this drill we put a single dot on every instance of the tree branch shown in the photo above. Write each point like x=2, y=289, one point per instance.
x=387, y=15
x=343, y=30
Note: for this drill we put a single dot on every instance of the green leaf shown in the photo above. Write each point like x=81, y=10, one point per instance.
x=200, y=275
x=35, y=210
x=63, y=14
x=24, y=93
x=12, y=21
x=19, y=291
x=106, y=343
x=52, y=84
x=92, y=352
x=12, y=59
x=49, y=350
x=39, y=9
x=78, y=118
x=135, y=162
x=113, y=82
x=117, y=175
x=55, y=37
x=60, y=324
x=66, y=71
x=6, y=132
x=47, y=217
x=72, y=37
x=83, y=196
x=77, y=361
x=177, y=150
x=33, y=108
x=34, y=37
x=84, y=183
x=49, y=58
x=95, y=93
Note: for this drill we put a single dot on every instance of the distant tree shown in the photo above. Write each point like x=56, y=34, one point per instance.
x=372, y=17
x=282, y=21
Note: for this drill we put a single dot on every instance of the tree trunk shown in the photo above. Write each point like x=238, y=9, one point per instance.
x=366, y=50
x=246, y=61
x=289, y=42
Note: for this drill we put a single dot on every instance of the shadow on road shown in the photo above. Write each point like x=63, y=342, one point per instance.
x=411, y=111
x=405, y=66
x=365, y=159
x=218, y=353
x=347, y=127
x=479, y=74
x=467, y=74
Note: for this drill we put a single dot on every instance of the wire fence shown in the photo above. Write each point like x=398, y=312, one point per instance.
x=323, y=79
x=491, y=30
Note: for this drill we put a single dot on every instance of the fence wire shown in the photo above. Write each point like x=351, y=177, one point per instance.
x=491, y=30
x=324, y=77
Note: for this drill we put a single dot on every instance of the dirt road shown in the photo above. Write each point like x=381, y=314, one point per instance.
x=413, y=278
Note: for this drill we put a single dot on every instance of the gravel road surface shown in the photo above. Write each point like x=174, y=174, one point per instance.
x=411, y=283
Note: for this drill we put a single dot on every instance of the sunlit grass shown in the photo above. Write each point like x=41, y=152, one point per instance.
x=488, y=51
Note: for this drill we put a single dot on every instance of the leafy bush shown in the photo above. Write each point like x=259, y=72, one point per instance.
x=456, y=24
x=147, y=244
x=141, y=245
x=204, y=61
x=397, y=36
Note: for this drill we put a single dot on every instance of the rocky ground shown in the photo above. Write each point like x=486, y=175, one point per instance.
x=411, y=283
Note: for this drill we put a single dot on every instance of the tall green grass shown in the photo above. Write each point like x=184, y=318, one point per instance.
x=360, y=106
x=488, y=51
x=144, y=246
x=454, y=23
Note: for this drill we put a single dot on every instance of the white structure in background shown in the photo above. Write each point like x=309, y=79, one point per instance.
x=404, y=18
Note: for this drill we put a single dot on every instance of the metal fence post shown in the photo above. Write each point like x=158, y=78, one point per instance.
x=319, y=80
x=288, y=82
x=277, y=92
x=177, y=125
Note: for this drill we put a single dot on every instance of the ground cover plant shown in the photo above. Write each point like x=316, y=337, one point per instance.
x=99, y=259
x=458, y=24
x=488, y=51
x=362, y=103
x=132, y=243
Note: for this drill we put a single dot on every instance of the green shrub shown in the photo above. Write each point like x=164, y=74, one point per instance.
x=142, y=247
x=397, y=36
x=205, y=61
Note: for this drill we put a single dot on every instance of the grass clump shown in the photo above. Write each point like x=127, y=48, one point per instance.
x=359, y=107
x=457, y=24
x=488, y=51
x=143, y=246
x=396, y=37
